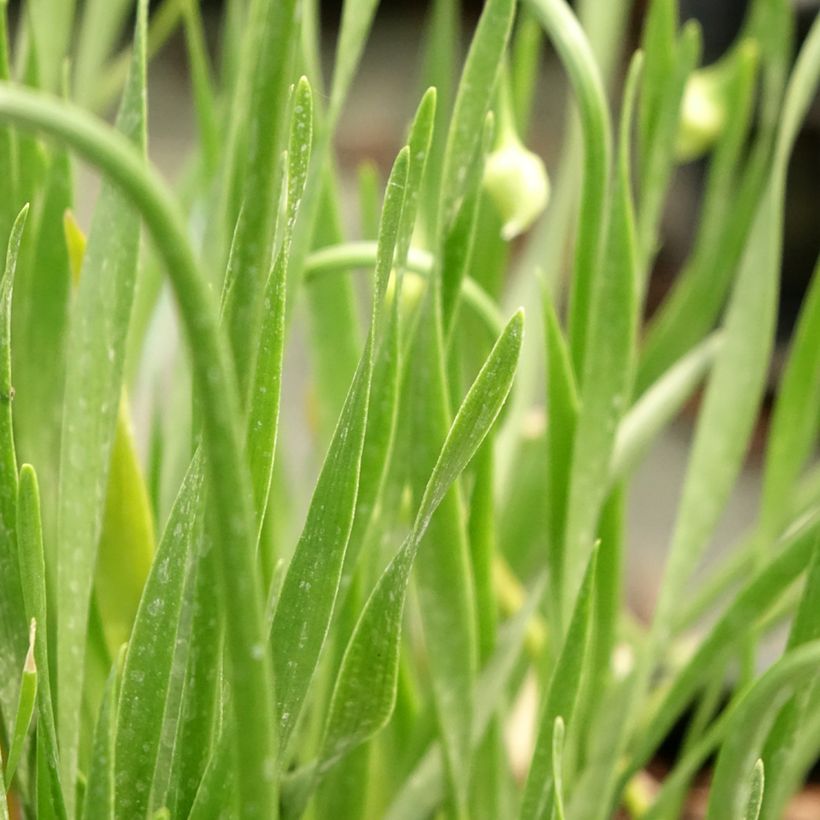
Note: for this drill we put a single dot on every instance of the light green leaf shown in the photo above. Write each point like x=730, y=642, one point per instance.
x=384, y=397
x=459, y=246
x=8, y=140
x=51, y=25
x=365, y=690
x=560, y=700
x=144, y=689
x=558, y=768
x=738, y=378
x=127, y=537
x=606, y=381
x=793, y=430
x=419, y=141
x=438, y=70
x=790, y=723
x=12, y=623
x=42, y=298
x=254, y=171
x=566, y=34
x=473, y=99
x=218, y=782
x=305, y=605
x=562, y=417
x=755, y=793
x=100, y=791
x=525, y=65
x=659, y=405
x=756, y=597
x=25, y=709
x=425, y=788
x=33, y=577
x=750, y=720
x=196, y=729
x=205, y=104
x=263, y=415
x=95, y=356
x=357, y=18
x=670, y=60
x=731, y=194
x=100, y=28
x=443, y=572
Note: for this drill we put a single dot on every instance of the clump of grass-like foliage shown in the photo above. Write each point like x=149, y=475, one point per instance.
x=196, y=633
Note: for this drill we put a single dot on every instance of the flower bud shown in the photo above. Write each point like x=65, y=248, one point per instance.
x=703, y=116
x=516, y=181
x=706, y=99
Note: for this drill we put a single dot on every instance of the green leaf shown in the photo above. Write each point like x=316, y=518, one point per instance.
x=738, y=378
x=25, y=709
x=254, y=171
x=473, y=99
x=748, y=724
x=365, y=690
x=525, y=61
x=755, y=802
x=146, y=676
x=100, y=791
x=126, y=545
x=425, y=788
x=659, y=405
x=459, y=246
x=95, y=356
x=608, y=365
x=443, y=572
x=196, y=729
x=100, y=28
x=782, y=739
x=560, y=700
x=562, y=416
x=558, y=768
x=384, y=396
x=12, y=623
x=730, y=198
x=33, y=577
x=419, y=141
x=566, y=34
x=263, y=415
x=52, y=22
x=659, y=46
x=660, y=121
x=205, y=104
x=756, y=597
x=305, y=605
x=42, y=299
x=793, y=431
x=8, y=140
x=357, y=18
x=438, y=70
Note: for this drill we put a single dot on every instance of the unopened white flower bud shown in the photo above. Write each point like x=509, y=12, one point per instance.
x=517, y=183
x=706, y=98
x=703, y=116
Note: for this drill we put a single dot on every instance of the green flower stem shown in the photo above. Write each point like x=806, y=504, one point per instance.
x=351, y=255
x=250, y=673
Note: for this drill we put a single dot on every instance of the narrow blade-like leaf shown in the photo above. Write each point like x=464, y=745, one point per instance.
x=147, y=672
x=306, y=603
x=12, y=622
x=364, y=694
x=96, y=350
